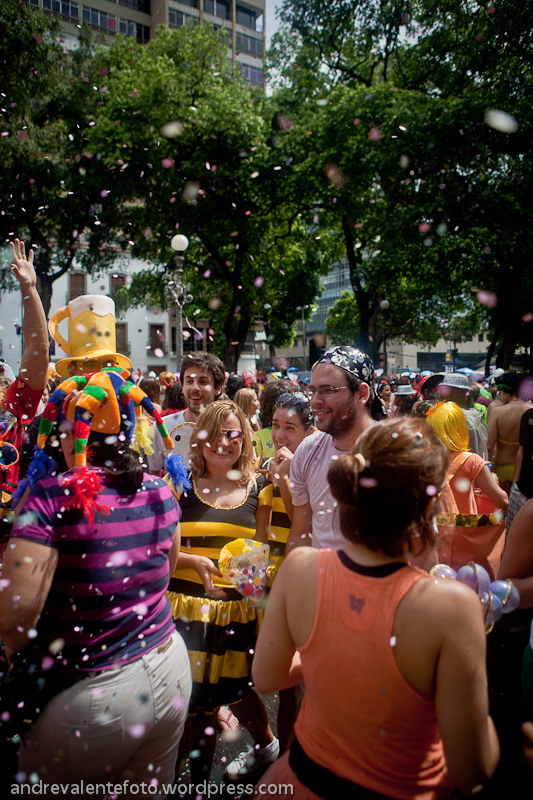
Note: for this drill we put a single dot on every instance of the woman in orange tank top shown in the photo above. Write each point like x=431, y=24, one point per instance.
x=393, y=661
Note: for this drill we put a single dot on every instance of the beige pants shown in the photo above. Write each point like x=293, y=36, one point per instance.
x=121, y=727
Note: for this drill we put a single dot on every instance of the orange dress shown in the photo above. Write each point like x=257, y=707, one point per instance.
x=470, y=527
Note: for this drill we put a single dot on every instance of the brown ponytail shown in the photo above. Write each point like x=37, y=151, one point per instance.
x=384, y=487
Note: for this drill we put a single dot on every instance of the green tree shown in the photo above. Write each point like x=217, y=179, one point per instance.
x=189, y=146
x=51, y=184
x=396, y=97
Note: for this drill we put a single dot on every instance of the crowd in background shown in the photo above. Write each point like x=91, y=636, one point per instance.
x=126, y=648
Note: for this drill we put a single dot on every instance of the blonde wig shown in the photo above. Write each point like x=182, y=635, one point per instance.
x=449, y=423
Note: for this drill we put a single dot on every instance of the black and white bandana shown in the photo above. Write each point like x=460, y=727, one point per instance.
x=351, y=360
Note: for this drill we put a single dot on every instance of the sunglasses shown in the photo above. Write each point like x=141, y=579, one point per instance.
x=231, y=436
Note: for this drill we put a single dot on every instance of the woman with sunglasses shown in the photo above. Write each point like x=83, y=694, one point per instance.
x=218, y=626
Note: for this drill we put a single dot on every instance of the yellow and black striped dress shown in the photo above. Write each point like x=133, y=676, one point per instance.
x=218, y=633
x=280, y=526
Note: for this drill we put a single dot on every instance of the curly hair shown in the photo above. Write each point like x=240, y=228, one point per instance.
x=385, y=485
x=268, y=399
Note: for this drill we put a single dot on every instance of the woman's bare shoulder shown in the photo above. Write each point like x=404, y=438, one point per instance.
x=443, y=600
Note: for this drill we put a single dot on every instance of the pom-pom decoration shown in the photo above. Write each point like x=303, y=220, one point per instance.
x=177, y=472
x=141, y=436
x=84, y=486
x=41, y=466
x=96, y=406
x=497, y=598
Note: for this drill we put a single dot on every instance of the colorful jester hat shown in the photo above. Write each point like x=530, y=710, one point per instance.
x=102, y=407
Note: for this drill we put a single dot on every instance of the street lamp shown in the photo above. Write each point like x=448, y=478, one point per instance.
x=175, y=292
x=303, y=309
x=385, y=305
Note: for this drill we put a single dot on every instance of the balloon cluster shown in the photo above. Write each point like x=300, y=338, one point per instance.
x=497, y=597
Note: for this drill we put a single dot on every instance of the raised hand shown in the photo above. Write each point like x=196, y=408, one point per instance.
x=22, y=267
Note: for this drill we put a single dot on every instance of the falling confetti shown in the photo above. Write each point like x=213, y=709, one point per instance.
x=368, y=483
x=234, y=475
x=489, y=299
x=501, y=121
x=172, y=129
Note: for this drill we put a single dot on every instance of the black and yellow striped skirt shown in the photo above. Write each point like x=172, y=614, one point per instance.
x=220, y=636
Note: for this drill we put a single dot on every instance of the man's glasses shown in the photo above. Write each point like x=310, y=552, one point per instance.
x=325, y=391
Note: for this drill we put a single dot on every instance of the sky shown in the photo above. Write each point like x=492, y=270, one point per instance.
x=271, y=23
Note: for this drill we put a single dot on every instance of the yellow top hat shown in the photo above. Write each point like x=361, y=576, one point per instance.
x=92, y=337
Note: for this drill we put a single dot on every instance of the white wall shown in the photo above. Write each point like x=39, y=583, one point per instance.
x=138, y=320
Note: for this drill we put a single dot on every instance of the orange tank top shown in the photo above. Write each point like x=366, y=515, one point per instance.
x=360, y=718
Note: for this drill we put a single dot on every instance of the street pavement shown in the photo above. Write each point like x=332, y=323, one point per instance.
x=229, y=745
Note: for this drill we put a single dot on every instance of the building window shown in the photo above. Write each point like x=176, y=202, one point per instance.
x=116, y=282
x=136, y=5
x=77, y=285
x=480, y=337
x=177, y=19
x=129, y=28
x=246, y=17
x=123, y=345
x=63, y=7
x=252, y=74
x=157, y=338
x=193, y=342
x=99, y=19
x=246, y=44
x=218, y=8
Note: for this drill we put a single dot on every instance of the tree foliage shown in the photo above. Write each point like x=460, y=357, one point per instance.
x=426, y=198
x=91, y=170
x=50, y=184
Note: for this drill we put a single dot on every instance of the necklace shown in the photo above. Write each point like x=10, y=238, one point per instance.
x=224, y=508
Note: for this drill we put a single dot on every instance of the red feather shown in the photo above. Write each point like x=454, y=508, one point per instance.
x=85, y=487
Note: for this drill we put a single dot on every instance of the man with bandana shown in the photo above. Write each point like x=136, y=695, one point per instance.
x=342, y=397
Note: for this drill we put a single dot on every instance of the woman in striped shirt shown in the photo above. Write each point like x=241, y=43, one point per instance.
x=83, y=599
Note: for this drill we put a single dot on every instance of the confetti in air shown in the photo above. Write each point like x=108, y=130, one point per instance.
x=489, y=299
x=501, y=121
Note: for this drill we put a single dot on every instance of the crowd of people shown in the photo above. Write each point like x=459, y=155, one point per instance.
x=125, y=647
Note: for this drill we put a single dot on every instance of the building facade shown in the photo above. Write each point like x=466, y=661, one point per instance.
x=244, y=21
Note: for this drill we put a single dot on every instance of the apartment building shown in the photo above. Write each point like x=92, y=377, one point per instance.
x=243, y=20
